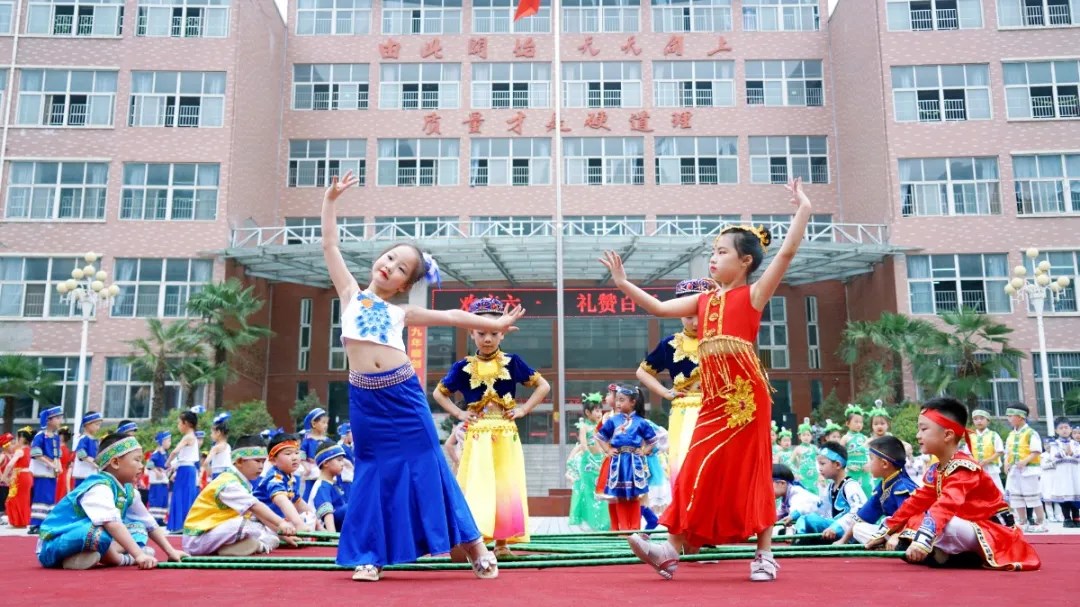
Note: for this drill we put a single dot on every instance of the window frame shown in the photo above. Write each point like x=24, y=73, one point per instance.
x=357, y=85
x=52, y=304
x=786, y=82
x=690, y=14
x=789, y=158
x=44, y=113
x=129, y=205
x=328, y=165
x=53, y=22
x=1013, y=91
x=754, y=11
x=991, y=187
x=597, y=92
x=677, y=96
x=181, y=26
x=679, y=159
x=537, y=162
x=992, y=290
x=924, y=112
x=774, y=328
x=309, y=13
x=634, y=173
x=434, y=17
x=56, y=202
x=499, y=14
x=1066, y=186
x=607, y=17
x=445, y=164
x=184, y=289
x=537, y=86
x=393, y=96
x=173, y=118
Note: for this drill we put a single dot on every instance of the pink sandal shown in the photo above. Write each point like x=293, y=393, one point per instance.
x=662, y=557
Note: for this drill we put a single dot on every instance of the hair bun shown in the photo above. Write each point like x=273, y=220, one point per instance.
x=764, y=236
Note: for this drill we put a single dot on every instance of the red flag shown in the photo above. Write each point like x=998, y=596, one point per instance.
x=526, y=8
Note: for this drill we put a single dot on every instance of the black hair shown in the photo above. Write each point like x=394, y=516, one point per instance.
x=950, y=408
x=109, y=440
x=590, y=406
x=419, y=271
x=860, y=413
x=222, y=427
x=26, y=436
x=190, y=419
x=281, y=438
x=748, y=243
x=64, y=431
x=639, y=399
x=1061, y=419
x=250, y=440
x=1020, y=406
x=890, y=446
x=782, y=473
x=836, y=448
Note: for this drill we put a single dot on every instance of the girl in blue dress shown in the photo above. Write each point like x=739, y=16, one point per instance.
x=405, y=502
x=628, y=438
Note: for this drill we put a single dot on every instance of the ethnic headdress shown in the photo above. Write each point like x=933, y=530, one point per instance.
x=160, y=437
x=763, y=235
x=694, y=285
x=252, y=452
x=344, y=429
x=853, y=410
x=50, y=413
x=313, y=415
x=118, y=449
x=594, y=398
x=329, y=453
x=5, y=439
x=127, y=427
x=92, y=416
x=878, y=410
x=805, y=426
x=487, y=305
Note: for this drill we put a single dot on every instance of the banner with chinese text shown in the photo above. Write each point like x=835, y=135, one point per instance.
x=541, y=303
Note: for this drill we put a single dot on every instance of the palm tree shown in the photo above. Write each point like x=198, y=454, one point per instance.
x=157, y=356
x=195, y=370
x=225, y=308
x=963, y=360
x=900, y=336
x=22, y=376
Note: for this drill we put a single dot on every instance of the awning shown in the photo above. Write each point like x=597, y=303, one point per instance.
x=509, y=254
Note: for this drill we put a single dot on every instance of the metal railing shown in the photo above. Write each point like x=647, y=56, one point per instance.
x=955, y=109
x=1040, y=197
x=1034, y=15
x=755, y=96
x=1042, y=106
x=922, y=20
x=929, y=110
x=413, y=176
x=815, y=97
x=1059, y=14
x=188, y=116
x=189, y=27
x=692, y=19
x=500, y=20
x=604, y=98
x=519, y=175
x=1068, y=106
x=595, y=20
x=426, y=100
x=947, y=19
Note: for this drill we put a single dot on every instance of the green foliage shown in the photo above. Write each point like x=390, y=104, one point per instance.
x=905, y=423
x=302, y=408
x=658, y=416
x=446, y=426
x=24, y=376
x=831, y=408
x=250, y=417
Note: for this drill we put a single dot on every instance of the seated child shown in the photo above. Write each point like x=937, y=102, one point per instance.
x=103, y=519
x=280, y=487
x=887, y=459
x=958, y=514
x=226, y=518
x=795, y=501
x=842, y=496
x=327, y=495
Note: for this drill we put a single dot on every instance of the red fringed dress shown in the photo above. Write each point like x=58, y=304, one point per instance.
x=724, y=491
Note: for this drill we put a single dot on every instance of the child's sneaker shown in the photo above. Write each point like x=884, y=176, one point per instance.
x=82, y=560
x=1038, y=529
x=763, y=569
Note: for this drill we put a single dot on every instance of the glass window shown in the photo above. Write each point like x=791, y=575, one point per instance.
x=624, y=342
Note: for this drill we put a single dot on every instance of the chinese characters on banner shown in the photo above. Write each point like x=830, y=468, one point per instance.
x=541, y=303
x=417, y=348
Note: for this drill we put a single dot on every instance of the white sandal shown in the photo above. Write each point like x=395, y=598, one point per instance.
x=366, y=573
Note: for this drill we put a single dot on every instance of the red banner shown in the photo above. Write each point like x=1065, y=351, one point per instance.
x=541, y=303
x=417, y=348
x=526, y=8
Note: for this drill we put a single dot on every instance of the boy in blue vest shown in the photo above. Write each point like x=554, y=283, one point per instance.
x=103, y=520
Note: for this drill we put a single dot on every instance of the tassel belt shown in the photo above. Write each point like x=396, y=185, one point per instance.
x=377, y=381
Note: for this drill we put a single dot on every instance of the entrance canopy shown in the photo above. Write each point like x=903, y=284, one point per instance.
x=518, y=251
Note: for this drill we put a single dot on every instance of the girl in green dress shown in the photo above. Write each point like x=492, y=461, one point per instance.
x=858, y=466
x=585, y=509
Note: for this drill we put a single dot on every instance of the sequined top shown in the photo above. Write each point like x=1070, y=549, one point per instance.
x=678, y=355
x=369, y=318
x=489, y=382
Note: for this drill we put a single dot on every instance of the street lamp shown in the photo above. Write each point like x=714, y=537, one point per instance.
x=87, y=288
x=1035, y=291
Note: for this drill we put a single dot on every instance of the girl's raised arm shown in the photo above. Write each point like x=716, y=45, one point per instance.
x=340, y=275
x=422, y=317
x=673, y=308
x=763, y=289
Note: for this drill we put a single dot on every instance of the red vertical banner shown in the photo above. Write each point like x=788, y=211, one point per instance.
x=417, y=348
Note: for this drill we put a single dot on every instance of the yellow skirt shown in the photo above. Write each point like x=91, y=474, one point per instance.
x=492, y=477
x=681, y=423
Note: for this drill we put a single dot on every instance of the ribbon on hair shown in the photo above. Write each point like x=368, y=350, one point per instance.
x=198, y=409
x=935, y=416
x=431, y=270
x=833, y=455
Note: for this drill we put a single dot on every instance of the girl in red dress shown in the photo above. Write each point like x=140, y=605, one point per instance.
x=21, y=481
x=723, y=493
x=67, y=461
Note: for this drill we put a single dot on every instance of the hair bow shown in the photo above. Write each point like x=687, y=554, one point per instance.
x=198, y=409
x=431, y=270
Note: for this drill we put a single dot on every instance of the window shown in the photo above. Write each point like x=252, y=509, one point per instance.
x=129, y=391
x=944, y=283
x=607, y=84
x=949, y=186
x=418, y=162
x=778, y=159
x=176, y=192
x=532, y=342
x=3, y=75
x=1047, y=184
x=512, y=225
x=505, y=161
x=441, y=349
x=57, y=190
x=420, y=86
x=497, y=17
x=781, y=397
x=65, y=370
x=794, y=83
x=692, y=225
x=935, y=93
x=813, y=334
x=337, y=17
x=604, y=160
x=183, y=18
x=623, y=340
x=158, y=288
x=7, y=8
x=302, y=390
x=694, y=83
x=601, y=16
x=28, y=287
x=817, y=393
x=927, y=15
x=74, y=17
x=780, y=15
x=1042, y=89
x=772, y=334
x=691, y=15
x=605, y=225
x=305, y=335
x=330, y=86
x=1038, y=13
x=307, y=230
x=697, y=160
x=66, y=98
x=511, y=85
x=1062, y=263
x=395, y=228
x=314, y=162
x=1064, y=379
x=181, y=99
x=421, y=17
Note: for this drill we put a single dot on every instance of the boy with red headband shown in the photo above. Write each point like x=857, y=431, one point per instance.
x=958, y=515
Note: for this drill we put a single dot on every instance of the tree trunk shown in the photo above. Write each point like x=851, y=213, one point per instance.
x=9, y=413
x=189, y=397
x=898, y=378
x=157, y=403
x=219, y=384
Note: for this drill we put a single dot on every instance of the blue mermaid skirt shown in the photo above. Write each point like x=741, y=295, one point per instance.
x=404, y=502
x=185, y=490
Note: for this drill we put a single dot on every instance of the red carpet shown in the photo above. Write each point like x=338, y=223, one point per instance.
x=805, y=582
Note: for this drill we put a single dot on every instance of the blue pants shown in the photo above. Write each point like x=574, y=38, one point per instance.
x=42, y=499
x=82, y=537
x=812, y=523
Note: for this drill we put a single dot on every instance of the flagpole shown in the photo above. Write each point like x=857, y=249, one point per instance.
x=560, y=314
